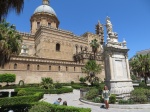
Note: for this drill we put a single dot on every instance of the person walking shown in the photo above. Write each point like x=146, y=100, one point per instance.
x=106, y=95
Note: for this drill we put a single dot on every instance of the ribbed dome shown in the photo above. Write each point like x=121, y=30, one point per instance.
x=45, y=8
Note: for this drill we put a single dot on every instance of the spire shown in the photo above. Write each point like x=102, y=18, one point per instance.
x=45, y=2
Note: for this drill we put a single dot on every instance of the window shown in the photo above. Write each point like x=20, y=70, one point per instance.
x=38, y=25
x=49, y=24
x=28, y=67
x=59, y=68
x=49, y=67
x=66, y=68
x=38, y=67
x=74, y=68
x=15, y=66
x=85, y=48
x=81, y=48
x=24, y=51
x=76, y=49
x=57, y=47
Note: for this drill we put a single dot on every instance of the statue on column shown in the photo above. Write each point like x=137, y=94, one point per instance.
x=108, y=25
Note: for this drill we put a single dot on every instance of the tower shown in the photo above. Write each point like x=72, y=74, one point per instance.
x=117, y=72
x=44, y=15
x=100, y=31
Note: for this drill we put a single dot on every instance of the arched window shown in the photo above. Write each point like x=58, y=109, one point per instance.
x=49, y=67
x=57, y=47
x=76, y=49
x=58, y=68
x=74, y=68
x=85, y=48
x=38, y=67
x=81, y=48
x=28, y=67
x=49, y=24
x=15, y=66
x=66, y=68
x=38, y=25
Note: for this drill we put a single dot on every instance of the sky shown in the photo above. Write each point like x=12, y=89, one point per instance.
x=130, y=18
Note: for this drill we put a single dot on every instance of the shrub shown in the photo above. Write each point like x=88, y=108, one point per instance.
x=47, y=83
x=16, y=108
x=91, y=94
x=76, y=86
x=21, y=99
x=82, y=79
x=102, y=99
x=133, y=77
x=142, y=84
x=7, y=78
x=21, y=92
x=72, y=82
x=126, y=102
x=112, y=99
x=97, y=100
x=139, y=96
x=96, y=84
x=47, y=91
x=46, y=107
x=58, y=85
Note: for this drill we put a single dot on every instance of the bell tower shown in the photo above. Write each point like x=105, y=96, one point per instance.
x=44, y=15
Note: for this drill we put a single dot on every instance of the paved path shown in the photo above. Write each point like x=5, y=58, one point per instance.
x=73, y=100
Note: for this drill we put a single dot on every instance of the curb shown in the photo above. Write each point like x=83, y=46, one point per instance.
x=132, y=106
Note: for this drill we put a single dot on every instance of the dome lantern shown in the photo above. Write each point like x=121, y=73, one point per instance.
x=45, y=2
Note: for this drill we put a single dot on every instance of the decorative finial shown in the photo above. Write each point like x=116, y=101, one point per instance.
x=45, y=2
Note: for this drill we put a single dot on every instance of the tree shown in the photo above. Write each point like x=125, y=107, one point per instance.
x=91, y=68
x=8, y=5
x=10, y=42
x=7, y=78
x=94, y=44
x=47, y=83
x=140, y=65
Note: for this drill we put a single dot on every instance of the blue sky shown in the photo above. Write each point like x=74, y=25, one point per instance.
x=130, y=18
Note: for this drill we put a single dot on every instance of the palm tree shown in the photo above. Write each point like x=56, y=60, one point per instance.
x=9, y=42
x=91, y=68
x=140, y=64
x=94, y=44
x=7, y=5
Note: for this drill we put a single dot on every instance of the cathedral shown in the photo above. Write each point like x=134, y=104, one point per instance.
x=48, y=51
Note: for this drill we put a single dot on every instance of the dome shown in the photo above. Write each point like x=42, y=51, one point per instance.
x=45, y=8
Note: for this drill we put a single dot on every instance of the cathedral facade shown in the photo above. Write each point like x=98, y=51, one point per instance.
x=48, y=51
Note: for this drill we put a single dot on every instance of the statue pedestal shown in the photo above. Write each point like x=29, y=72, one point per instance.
x=117, y=74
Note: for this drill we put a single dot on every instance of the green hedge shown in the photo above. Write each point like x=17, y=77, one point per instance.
x=21, y=99
x=48, y=91
x=46, y=107
x=77, y=86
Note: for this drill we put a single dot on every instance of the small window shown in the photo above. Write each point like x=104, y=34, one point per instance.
x=15, y=66
x=74, y=68
x=28, y=67
x=66, y=68
x=76, y=49
x=85, y=48
x=81, y=48
x=38, y=67
x=57, y=47
x=49, y=67
x=49, y=24
x=38, y=25
x=59, y=68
